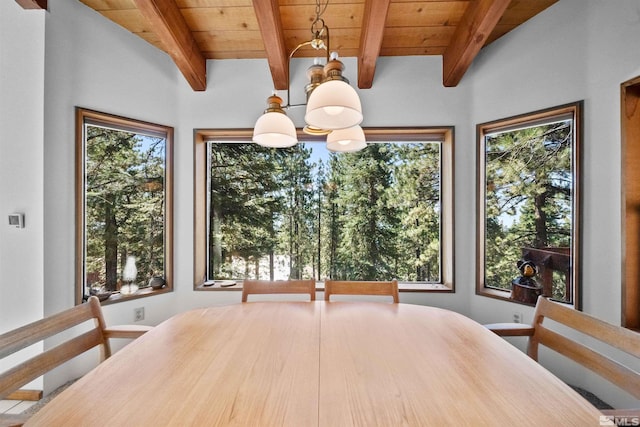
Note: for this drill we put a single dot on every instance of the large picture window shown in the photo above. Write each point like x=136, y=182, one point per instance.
x=304, y=212
x=124, y=204
x=529, y=206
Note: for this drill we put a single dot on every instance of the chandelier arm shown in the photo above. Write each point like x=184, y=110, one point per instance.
x=301, y=45
x=328, y=44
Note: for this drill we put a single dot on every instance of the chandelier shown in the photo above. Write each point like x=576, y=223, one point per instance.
x=333, y=107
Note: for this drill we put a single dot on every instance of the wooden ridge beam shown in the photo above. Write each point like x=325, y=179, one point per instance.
x=476, y=25
x=373, y=23
x=270, y=23
x=33, y=4
x=167, y=21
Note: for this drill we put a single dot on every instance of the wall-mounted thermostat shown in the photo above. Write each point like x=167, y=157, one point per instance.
x=16, y=220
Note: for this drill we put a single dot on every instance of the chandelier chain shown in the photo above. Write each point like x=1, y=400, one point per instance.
x=320, y=9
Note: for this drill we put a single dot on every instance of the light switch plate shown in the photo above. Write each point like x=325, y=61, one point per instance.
x=16, y=220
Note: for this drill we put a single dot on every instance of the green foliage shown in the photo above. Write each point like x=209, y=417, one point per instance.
x=370, y=215
x=245, y=202
x=297, y=217
x=528, y=197
x=124, y=216
x=416, y=196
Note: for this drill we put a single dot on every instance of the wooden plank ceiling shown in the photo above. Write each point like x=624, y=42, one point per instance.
x=192, y=31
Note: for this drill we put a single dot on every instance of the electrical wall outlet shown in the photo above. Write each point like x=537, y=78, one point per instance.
x=138, y=314
x=517, y=317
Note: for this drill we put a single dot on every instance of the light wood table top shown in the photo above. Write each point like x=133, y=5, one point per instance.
x=316, y=363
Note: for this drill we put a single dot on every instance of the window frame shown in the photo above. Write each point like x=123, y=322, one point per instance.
x=539, y=117
x=441, y=133
x=84, y=116
x=630, y=174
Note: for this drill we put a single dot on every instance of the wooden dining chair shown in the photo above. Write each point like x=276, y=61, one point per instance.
x=26, y=371
x=549, y=335
x=279, y=287
x=350, y=287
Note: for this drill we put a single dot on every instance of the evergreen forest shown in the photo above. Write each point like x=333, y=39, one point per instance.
x=124, y=205
x=304, y=212
x=528, y=200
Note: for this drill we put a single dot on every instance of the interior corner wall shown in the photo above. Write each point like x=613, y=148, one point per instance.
x=92, y=63
x=575, y=50
x=22, y=45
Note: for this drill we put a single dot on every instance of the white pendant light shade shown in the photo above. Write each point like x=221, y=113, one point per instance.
x=274, y=129
x=334, y=105
x=346, y=140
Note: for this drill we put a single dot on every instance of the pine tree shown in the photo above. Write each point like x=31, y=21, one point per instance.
x=124, y=204
x=528, y=196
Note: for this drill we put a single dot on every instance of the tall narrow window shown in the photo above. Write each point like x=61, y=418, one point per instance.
x=304, y=212
x=123, y=205
x=528, y=204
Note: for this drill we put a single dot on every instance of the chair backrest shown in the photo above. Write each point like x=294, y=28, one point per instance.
x=599, y=363
x=28, y=370
x=349, y=287
x=279, y=287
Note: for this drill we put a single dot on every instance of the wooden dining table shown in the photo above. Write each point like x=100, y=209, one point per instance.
x=318, y=364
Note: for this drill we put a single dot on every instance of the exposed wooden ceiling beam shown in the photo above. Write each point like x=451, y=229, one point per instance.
x=476, y=25
x=270, y=23
x=33, y=4
x=373, y=23
x=169, y=25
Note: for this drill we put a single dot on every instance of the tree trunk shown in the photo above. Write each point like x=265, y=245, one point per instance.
x=271, y=265
x=215, y=241
x=373, y=232
x=333, y=244
x=541, y=239
x=319, y=234
x=110, y=244
x=256, y=263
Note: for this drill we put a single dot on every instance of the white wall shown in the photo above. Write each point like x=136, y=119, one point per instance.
x=21, y=163
x=574, y=50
